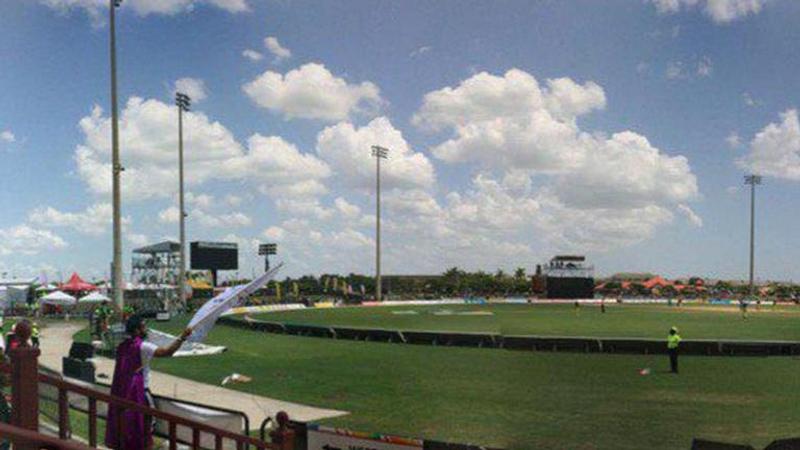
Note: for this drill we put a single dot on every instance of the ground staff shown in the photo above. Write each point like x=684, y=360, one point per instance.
x=673, y=339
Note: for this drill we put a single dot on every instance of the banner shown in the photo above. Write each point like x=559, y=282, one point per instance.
x=296, y=289
x=207, y=316
x=324, y=438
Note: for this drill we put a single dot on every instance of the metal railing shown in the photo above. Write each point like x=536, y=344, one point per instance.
x=25, y=378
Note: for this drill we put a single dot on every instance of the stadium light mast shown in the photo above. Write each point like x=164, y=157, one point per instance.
x=752, y=180
x=116, y=167
x=378, y=153
x=183, y=102
x=265, y=250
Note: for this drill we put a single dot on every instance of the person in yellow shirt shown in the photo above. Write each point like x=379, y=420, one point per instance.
x=673, y=339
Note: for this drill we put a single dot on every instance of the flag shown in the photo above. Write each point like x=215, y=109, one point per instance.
x=335, y=284
x=363, y=290
x=327, y=280
x=296, y=289
x=207, y=315
x=278, y=290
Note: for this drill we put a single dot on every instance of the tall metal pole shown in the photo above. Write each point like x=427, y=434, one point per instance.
x=182, y=101
x=752, y=180
x=182, y=264
x=379, y=153
x=115, y=164
x=378, y=290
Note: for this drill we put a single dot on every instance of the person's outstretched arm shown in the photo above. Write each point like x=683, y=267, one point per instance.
x=163, y=352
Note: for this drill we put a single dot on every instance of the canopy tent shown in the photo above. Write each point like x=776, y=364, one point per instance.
x=94, y=297
x=57, y=298
x=76, y=284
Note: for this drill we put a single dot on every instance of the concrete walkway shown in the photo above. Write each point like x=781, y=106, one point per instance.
x=57, y=339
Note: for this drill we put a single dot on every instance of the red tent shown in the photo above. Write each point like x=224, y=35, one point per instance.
x=76, y=284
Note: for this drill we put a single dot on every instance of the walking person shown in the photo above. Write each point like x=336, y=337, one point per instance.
x=131, y=382
x=673, y=340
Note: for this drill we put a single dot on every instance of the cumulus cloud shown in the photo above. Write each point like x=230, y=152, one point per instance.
x=223, y=220
x=252, y=55
x=95, y=219
x=690, y=215
x=775, y=150
x=195, y=88
x=514, y=125
x=312, y=92
x=169, y=215
x=733, y=140
x=7, y=136
x=704, y=67
x=278, y=51
x=148, y=133
x=720, y=11
x=347, y=149
x=420, y=51
x=97, y=9
x=26, y=240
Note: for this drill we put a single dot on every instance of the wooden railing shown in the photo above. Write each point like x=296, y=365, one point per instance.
x=25, y=377
x=22, y=438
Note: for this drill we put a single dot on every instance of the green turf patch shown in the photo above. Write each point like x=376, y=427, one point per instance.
x=641, y=321
x=511, y=399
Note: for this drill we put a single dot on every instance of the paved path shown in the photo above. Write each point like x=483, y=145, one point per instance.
x=57, y=339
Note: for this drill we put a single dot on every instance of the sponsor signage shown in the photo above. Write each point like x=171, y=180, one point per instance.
x=323, y=438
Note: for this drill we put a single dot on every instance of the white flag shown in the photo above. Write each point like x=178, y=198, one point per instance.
x=205, y=318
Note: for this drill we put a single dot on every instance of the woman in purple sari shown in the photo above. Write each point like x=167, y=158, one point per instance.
x=131, y=382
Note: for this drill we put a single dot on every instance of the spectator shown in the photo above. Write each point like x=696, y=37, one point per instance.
x=131, y=382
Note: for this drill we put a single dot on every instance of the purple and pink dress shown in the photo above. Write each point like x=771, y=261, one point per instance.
x=129, y=383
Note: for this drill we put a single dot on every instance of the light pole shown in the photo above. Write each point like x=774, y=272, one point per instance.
x=378, y=153
x=183, y=102
x=116, y=167
x=752, y=180
x=265, y=250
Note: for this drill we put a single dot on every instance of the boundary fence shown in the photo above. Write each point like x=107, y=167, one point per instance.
x=704, y=347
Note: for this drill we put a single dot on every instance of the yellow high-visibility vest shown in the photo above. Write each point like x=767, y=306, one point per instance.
x=673, y=340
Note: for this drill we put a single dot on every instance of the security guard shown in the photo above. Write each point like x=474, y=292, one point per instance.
x=673, y=339
x=35, y=335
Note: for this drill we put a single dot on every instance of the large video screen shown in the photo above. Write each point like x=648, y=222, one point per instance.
x=214, y=255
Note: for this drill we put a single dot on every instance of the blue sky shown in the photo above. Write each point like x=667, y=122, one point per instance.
x=517, y=129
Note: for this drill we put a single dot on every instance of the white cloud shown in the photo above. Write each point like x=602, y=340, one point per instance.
x=691, y=216
x=137, y=240
x=720, y=11
x=749, y=100
x=675, y=71
x=420, y=51
x=278, y=51
x=148, y=133
x=252, y=55
x=775, y=150
x=95, y=219
x=7, y=136
x=312, y=92
x=347, y=150
x=195, y=88
x=704, y=67
x=347, y=209
x=733, y=140
x=274, y=233
x=169, y=215
x=233, y=200
x=97, y=9
x=25, y=240
x=512, y=125
x=224, y=220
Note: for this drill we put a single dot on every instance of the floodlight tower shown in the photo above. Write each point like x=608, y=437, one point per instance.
x=183, y=102
x=378, y=153
x=116, y=167
x=265, y=250
x=752, y=180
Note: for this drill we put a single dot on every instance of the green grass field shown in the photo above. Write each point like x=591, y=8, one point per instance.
x=650, y=321
x=514, y=399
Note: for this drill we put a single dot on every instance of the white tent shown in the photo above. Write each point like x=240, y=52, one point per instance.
x=94, y=297
x=57, y=298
